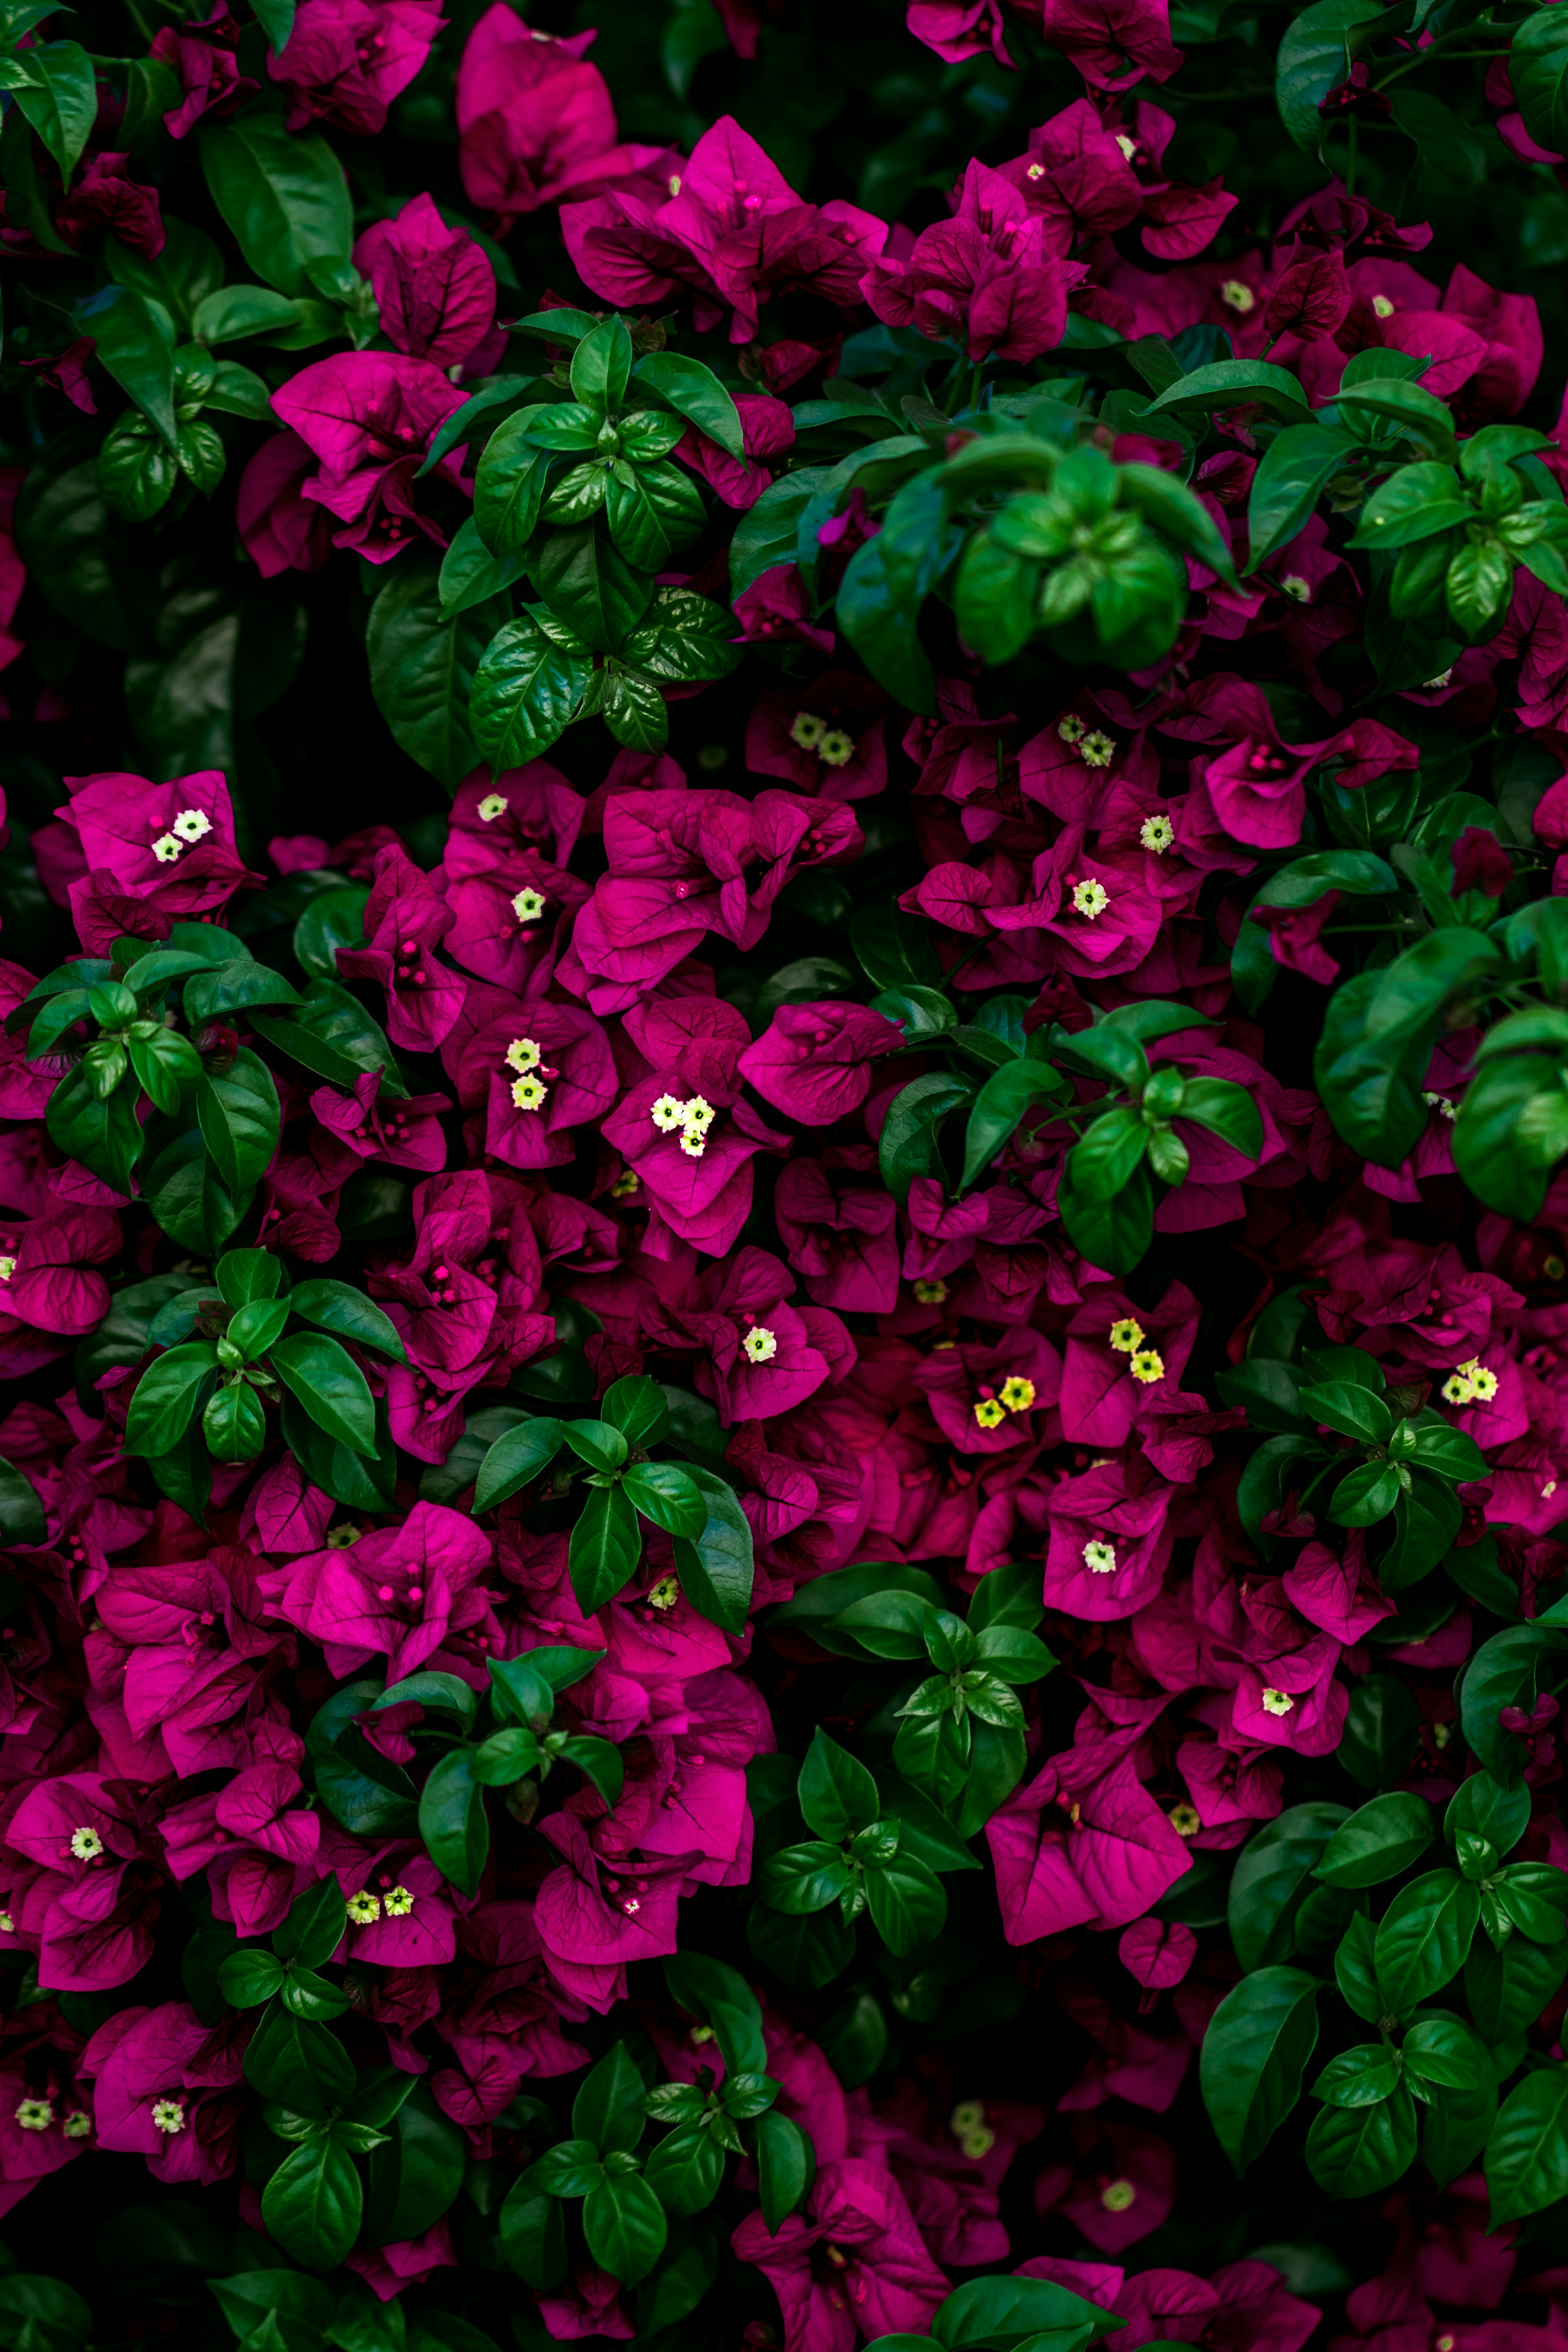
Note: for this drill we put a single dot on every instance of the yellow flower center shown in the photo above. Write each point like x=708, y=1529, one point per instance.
x=836, y=749
x=665, y=1593
x=1126, y=1336
x=1148, y=1366
x=930, y=1294
x=1185, y=1819
x=1237, y=296
x=807, y=729
x=36, y=2114
x=1090, y=899
x=399, y=1902
x=1383, y=309
x=1118, y=2195
x=761, y=1344
x=363, y=1908
x=1017, y=1393
x=989, y=1412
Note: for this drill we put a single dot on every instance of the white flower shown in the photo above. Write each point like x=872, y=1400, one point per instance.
x=1300, y=591
x=523, y=1055
x=807, y=729
x=693, y=1142
x=1071, y=728
x=529, y=1094
x=1157, y=832
x=399, y=1902
x=1435, y=685
x=1100, y=1556
x=86, y=1845
x=699, y=1113
x=1441, y=1104
x=665, y=1593
x=169, y=2116
x=1278, y=1702
x=673, y=183
x=363, y=1908
x=667, y=1113
x=1237, y=296
x=77, y=2125
x=527, y=905
x=493, y=804
x=8, y=1268
x=192, y=824
x=1090, y=899
x=1099, y=749
x=836, y=749
x=7, y=1924
x=761, y=1344
x=165, y=849
x=1382, y=307
x=36, y=2114
x=1128, y=146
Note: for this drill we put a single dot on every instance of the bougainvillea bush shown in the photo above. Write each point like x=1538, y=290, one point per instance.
x=783, y=1183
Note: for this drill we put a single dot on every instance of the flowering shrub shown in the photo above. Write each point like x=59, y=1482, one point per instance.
x=783, y=1176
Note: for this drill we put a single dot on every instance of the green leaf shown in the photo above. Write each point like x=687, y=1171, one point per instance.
x=605, y=1549
x=1508, y=1990
x=1538, y=71
x=1233, y=383
x=234, y=1427
x=1428, y=1517
x=22, y=1519
x=685, y=2171
x=331, y=1387
x=787, y=2164
x=1380, y=1840
x=56, y=90
x=1365, y=1494
x=249, y=1977
x=299, y=2064
x=515, y=1459
x=1443, y=2050
x=1112, y=1233
x=1226, y=1110
x=164, y=1402
x=1271, y=1878
x=907, y=1902
x=1527, y=2153
x=283, y=195
x=470, y=575
x=668, y=1496
x=695, y=393
x=106, y=1137
x=1506, y=1671
x=1361, y=2077
x=836, y=1794
x=533, y=2235
x=1292, y=473
x=1354, y=2151
x=240, y=1122
x=590, y=587
x=134, y=336
x=766, y=534
x=602, y=365
x=608, y=2109
x=1006, y=1095
x=715, y=1566
x=636, y=1406
x=365, y=1482
x=509, y=487
x=1382, y=1727
x=312, y=2204
x=1352, y=1409
x=452, y=1819
x=1011, y=2312
x=803, y=1878
x=907, y=1145
x=1454, y=2128
x=424, y=664
x=624, y=2224
x=885, y=584
x=527, y=688
x=1253, y=2056
x=339, y=1307
x=1424, y=1936
x=415, y=2175
x=314, y=1927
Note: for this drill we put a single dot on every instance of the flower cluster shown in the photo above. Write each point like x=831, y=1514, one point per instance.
x=809, y=1139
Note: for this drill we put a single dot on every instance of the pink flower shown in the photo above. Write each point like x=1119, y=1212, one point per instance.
x=433, y=286
x=857, y=2268
x=346, y=60
x=813, y=1061
x=169, y=2088
x=986, y=278
x=404, y=922
x=535, y=122
x=369, y=419
x=731, y=230
x=45, y=1285
x=155, y=854
x=282, y=529
x=203, y=55
x=395, y=1594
